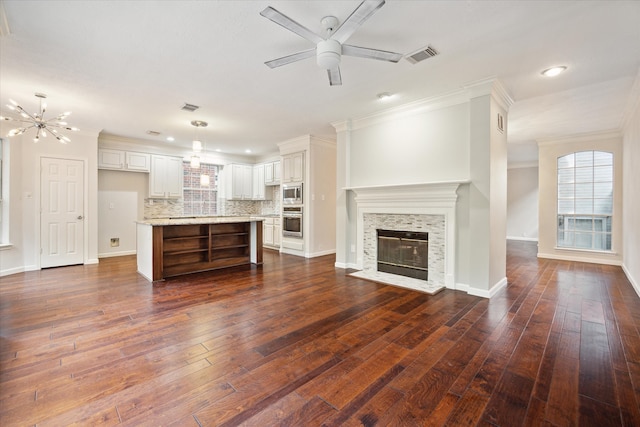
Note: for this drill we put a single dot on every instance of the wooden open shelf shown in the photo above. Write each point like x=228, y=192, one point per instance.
x=181, y=249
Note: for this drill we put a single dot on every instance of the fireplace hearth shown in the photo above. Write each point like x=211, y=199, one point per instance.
x=404, y=253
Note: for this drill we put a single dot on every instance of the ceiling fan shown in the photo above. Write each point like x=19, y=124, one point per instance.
x=329, y=49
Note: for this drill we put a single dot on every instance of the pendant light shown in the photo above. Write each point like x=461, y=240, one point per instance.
x=197, y=144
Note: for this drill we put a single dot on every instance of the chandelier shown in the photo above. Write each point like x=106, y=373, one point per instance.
x=37, y=121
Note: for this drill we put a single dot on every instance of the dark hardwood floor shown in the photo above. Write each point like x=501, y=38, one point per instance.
x=299, y=343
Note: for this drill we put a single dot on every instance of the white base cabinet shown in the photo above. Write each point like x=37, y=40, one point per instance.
x=272, y=231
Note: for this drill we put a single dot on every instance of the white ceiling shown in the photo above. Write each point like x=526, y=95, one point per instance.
x=126, y=67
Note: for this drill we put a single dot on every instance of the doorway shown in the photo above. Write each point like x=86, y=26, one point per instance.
x=62, y=212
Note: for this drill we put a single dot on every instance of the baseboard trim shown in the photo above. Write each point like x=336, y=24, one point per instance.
x=497, y=287
x=11, y=271
x=321, y=253
x=579, y=259
x=633, y=282
x=114, y=254
x=524, y=239
x=346, y=265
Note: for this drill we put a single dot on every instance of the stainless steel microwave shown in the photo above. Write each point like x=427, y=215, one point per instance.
x=292, y=194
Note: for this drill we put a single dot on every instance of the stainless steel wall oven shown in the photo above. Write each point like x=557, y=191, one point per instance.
x=292, y=221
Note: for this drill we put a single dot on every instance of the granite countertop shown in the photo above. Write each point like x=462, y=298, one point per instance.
x=199, y=220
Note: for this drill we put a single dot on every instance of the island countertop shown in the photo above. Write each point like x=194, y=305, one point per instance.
x=187, y=220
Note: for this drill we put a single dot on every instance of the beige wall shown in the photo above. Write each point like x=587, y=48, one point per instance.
x=549, y=151
x=522, y=203
x=631, y=189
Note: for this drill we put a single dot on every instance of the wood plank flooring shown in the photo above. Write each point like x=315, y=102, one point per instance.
x=299, y=343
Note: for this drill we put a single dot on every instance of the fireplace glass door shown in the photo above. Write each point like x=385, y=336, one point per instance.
x=404, y=253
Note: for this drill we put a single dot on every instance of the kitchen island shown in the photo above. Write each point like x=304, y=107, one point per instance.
x=169, y=247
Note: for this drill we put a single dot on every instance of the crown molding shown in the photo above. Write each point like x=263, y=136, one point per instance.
x=490, y=86
x=583, y=137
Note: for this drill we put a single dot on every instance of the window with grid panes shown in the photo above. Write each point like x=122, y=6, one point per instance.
x=585, y=200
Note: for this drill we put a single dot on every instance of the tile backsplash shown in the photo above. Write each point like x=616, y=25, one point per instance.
x=192, y=205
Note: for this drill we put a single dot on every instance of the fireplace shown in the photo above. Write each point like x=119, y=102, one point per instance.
x=404, y=253
x=421, y=207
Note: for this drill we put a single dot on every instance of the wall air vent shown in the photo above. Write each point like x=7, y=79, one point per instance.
x=189, y=107
x=153, y=132
x=421, y=55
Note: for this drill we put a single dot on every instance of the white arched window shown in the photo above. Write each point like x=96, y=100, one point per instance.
x=585, y=200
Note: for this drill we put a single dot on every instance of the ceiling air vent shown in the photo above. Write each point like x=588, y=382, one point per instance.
x=153, y=132
x=189, y=107
x=421, y=55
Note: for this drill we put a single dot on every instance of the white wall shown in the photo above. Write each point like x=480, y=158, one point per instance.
x=426, y=147
x=25, y=196
x=631, y=189
x=120, y=203
x=522, y=203
x=450, y=138
x=12, y=258
x=549, y=151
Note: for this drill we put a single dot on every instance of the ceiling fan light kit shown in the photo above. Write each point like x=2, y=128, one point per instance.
x=329, y=49
x=328, y=53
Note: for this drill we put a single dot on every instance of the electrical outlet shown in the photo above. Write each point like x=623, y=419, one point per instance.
x=353, y=248
x=115, y=242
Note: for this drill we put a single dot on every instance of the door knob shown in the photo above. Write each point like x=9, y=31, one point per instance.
x=79, y=216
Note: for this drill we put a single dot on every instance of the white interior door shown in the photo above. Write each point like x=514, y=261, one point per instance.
x=62, y=212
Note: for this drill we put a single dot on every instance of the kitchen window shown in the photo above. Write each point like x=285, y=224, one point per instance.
x=585, y=200
x=198, y=199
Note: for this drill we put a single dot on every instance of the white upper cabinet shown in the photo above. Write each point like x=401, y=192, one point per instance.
x=272, y=173
x=239, y=182
x=123, y=160
x=293, y=167
x=258, y=186
x=165, y=179
x=139, y=162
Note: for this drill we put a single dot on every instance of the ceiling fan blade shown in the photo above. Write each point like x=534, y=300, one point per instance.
x=290, y=24
x=365, y=52
x=357, y=18
x=335, y=79
x=291, y=58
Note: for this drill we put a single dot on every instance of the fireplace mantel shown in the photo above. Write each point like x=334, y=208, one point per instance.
x=433, y=198
x=431, y=192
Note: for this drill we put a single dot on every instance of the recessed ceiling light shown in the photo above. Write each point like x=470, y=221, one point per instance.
x=247, y=151
x=384, y=96
x=553, y=71
x=218, y=150
x=170, y=139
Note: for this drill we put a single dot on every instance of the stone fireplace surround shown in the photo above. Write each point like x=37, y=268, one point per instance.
x=426, y=207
